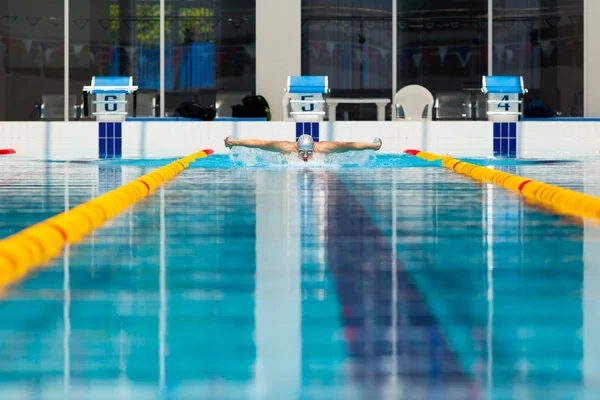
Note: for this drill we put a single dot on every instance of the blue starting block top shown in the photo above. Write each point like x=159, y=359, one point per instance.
x=503, y=84
x=111, y=84
x=308, y=84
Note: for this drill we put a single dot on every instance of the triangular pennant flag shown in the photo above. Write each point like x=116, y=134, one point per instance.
x=442, y=50
x=104, y=23
x=345, y=24
x=323, y=24
x=77, y=48
x=547, y=48
x=509, y=54
x=358, y=54
x=8, y=42
x=454, y=25
x=8, y=18
x=27, y=45
x=576, y=19
x=384, y=52
x=108, y=54
x=524, y=49
x=236, y=23
x=417, y=57
x=508, y=23
x=483, y=53
x=428, y=25
x=129, y=23
x=330, y=47
x=33, y=21
x=56, y=21
x=427, y=55
x=81, y=22
x=552, y=21
x=250, y=49
x=314, y=49
x=48, y=54
x=402, y=25
x=463, y=56
x=499, y=48
x=529, y=23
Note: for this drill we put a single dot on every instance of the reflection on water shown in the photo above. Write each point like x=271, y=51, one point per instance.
x=307, y=283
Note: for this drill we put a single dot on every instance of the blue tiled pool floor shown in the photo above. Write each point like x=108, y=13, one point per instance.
x=395, y=280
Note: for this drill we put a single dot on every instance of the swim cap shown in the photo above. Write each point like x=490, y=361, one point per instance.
x=305, y=142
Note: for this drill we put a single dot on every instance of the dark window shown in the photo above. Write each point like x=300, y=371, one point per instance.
x=544, y=44
x=31, y=59
x=209, y=49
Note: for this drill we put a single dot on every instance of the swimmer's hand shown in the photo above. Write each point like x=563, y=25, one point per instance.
x=229, y=142
x=378, y=143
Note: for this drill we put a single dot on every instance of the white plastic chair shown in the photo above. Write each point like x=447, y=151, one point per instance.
x=413, y=99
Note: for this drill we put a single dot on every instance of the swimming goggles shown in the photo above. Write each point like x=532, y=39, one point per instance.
x=303, y=152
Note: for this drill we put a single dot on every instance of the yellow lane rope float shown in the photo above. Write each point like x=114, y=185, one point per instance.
x=561, y=200
x=33, y=246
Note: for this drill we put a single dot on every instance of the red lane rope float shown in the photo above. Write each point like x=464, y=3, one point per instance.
x=562, y=200
x=7, y=151
x=32, y=247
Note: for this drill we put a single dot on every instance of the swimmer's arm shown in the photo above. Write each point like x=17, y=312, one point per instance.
x=341, y=147
x=267, y=145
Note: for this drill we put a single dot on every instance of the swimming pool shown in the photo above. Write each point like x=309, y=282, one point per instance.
x=393, y=279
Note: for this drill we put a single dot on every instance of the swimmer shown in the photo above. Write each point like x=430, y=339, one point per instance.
x=304, y=147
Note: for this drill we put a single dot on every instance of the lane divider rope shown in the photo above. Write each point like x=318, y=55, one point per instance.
x=559, y=199
x=33, y=246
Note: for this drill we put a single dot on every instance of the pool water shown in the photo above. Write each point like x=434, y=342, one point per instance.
x=390, y=278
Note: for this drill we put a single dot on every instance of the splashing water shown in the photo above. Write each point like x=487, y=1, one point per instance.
x=247, y=157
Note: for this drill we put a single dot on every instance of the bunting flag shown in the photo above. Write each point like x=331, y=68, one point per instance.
x=33, y=21
x=427, y=56
x=314, y=49
x=330, y=47
x=129, y=23
x=48, y=55
x=509, y=54
x=27, y=45
x=130, y=50
x=81, y=22
x=524, y=50
x=417, y=58
x=56, y=21
x=8, y=42
x=442, y=50
x=483, y=53
x=104, y=23
x=250, y=49
x=384, y=53
x=499, y=49
x=77, y=48
x=463, y=56
x=552, y=21
x=547, y=48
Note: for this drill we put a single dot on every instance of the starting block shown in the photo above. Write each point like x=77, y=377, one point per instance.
x=504, y=97
x=110, y=102
x=110, y=110
x=303, y=100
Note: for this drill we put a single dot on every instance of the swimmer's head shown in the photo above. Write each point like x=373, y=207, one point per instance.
x=305, y=146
